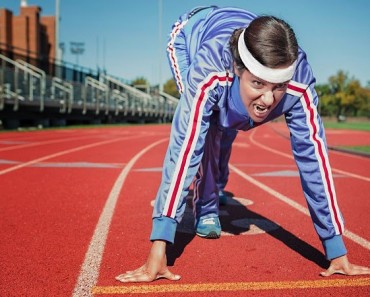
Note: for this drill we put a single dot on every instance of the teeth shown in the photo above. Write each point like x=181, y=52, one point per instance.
x=260, y=109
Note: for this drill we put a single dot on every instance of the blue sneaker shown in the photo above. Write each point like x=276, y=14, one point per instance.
x=222, y=198
x=209, y=228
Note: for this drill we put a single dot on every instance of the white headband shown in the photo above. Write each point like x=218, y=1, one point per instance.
x=273, y=75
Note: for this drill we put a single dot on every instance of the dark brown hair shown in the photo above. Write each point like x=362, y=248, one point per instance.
x=270, y=40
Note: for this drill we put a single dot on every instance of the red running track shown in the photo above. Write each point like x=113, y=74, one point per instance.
x=76, y=205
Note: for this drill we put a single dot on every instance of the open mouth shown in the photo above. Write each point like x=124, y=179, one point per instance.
x=260, y=110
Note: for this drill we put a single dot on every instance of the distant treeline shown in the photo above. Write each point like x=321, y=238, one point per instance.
x=344, y=96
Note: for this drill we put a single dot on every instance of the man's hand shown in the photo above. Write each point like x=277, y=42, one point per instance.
x=154, y=268
x=341, y=265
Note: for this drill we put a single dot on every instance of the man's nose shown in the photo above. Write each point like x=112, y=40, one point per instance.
x=268, y=98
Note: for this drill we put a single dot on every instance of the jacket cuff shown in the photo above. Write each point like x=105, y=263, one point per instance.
x=163, y=228
x=334, y=247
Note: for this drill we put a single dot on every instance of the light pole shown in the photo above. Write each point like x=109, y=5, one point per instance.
x=77, y=48
x=160, y=15
x=58, y=56
x=57, y=20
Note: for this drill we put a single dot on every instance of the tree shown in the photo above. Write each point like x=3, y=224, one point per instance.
x=356, y=98
x=364, y=102
x=140, y=81
x=170, y=88
x=343, y=96
x=325, y=98
x=338, y=84
x=142, y=84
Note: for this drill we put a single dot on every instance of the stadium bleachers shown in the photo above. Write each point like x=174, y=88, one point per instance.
x=31, y=96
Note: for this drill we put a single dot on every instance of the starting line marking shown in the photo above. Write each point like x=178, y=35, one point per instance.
x=235, y=286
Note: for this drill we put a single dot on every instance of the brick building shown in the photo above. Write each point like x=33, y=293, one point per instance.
x=28, y=35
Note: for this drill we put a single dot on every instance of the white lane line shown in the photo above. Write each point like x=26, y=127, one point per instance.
x=271, y=191
x=67, y=164
x=58, y=154
x=352, y=236
x=356, y=238
x=351, y=174
x=90, y=268
x=291, y=157
x=31, y=144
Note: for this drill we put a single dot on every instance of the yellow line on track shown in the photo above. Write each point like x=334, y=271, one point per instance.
x=237, y=286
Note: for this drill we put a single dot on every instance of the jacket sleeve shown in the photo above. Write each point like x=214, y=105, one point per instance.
x=190, y=124
x=311, y=155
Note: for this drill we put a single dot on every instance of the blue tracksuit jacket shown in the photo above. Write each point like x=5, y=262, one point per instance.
x=202, y=65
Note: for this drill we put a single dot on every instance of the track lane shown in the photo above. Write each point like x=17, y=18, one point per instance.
x=232, y=258
x=48, y=215
x=235, y=258
x=91, y=266
x=350, y=187
x=63, y=152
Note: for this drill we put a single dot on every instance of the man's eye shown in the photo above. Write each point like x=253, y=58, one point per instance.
x=257, y=83
x=281, y=86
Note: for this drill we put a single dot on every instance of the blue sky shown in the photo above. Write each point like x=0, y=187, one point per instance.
x=128, y=39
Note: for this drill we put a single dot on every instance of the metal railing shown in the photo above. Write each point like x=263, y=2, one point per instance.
x=34, y=80
x=9, y=82
x=170, y=105
x=23, y=84
x=138, y=101
x=95, y=94
x=62, y=91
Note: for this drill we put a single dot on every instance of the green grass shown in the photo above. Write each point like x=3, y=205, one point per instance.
x=362, y=149
x=363, y=125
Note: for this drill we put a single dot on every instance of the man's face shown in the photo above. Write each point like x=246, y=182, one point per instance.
x=259, y=96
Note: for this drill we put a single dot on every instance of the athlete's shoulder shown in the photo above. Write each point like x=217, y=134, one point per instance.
x=221, y=22
x=303, y=74
x=231, y=14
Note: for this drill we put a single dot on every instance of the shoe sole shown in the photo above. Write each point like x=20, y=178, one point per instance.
x=210, y=235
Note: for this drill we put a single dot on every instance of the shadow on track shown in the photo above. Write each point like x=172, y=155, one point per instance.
x=239, y=220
